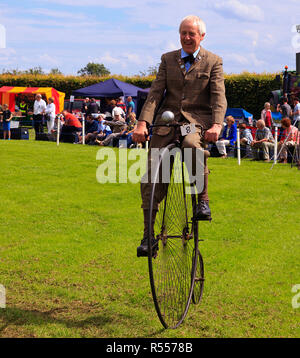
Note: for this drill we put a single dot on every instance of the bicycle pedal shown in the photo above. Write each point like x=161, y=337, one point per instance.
x=199, y=279
x=202, y=219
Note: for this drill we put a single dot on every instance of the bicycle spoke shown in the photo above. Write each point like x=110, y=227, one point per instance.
x=172, y=270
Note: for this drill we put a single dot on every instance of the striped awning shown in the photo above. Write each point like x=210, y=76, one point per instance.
x=58, y=96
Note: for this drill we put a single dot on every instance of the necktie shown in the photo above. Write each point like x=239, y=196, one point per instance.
x=190, y=59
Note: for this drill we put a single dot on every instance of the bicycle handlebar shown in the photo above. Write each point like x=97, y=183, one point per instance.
x=173, y=125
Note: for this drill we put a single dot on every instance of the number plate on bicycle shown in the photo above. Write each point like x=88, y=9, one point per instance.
x=188, y=129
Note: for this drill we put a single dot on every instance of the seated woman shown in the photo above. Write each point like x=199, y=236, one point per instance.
x=228, y=136
x=289, y=138
x=130, y=129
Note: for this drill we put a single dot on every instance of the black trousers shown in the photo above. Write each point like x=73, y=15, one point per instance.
x=38, y=123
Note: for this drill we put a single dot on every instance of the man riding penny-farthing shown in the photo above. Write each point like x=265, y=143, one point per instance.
x=189, y=84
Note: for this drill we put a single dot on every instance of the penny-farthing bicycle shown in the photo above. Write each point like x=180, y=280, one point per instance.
x=176, y=267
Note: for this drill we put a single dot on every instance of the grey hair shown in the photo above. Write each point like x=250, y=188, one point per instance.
x=196, y=19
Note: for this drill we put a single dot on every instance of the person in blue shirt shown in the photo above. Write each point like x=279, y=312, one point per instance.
x=91, y=129
x=6, y=118
x=228, y=136
x=130, y=107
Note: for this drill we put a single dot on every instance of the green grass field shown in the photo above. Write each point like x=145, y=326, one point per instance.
x=68, y=250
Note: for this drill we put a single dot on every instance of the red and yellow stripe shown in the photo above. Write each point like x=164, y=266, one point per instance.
x=7, y=95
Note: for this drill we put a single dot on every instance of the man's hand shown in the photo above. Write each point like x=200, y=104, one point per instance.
x=212, y=134
x=140, y=133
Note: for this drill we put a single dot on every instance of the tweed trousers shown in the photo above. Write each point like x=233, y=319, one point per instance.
x=192, y=140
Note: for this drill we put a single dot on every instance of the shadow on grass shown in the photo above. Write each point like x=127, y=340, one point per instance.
x=22, y=317
x=15, y=322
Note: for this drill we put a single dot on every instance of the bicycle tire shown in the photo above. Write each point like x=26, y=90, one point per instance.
x=172, y=263
x=199, y=276
x=199, y=280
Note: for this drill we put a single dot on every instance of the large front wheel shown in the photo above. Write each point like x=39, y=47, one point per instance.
x=172, y=260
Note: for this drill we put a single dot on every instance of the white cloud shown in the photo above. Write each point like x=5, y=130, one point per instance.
x=253, y=35
x=249, y=34
x=239, y=10
x=235, y=58
x=109, y=4
x=132, y=57
x=7, y=51
x=171, y=46
x=107, y=58
x=58, y=14
x=46, y=59
x=257, y=62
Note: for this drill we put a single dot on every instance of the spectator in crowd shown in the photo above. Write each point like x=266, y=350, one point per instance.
x=91, y=130
x=104, y=129
x=112, y=103
x=105, y=107
x=39, y=108
x=284, y=108
x=266, y=115
x=245, y=135
x=283, y=97
x=92, y=107
x=117, y=110
x=70, y=120
x=50, y=114
x=131, y=126
x=228, y=136
x=121, y=104
x=6, y=119
x=288, y=139
x=23, y=107
x=130, y=106
x=119, y=127
x=71, y=126
x=85, y=104
x=296, y=113
x=263, y=141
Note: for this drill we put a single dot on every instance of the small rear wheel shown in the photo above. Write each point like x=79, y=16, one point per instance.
x=199, y=280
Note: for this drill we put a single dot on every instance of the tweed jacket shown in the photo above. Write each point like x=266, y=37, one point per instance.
x=198, y=94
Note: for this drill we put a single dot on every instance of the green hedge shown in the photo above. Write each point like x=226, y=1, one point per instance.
x=250, y=91
x=246, y=90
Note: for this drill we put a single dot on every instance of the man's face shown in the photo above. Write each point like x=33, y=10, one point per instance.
x=260, y=125
x=190, y=37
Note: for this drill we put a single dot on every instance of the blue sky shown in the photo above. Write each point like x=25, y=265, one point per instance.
x=130, y=36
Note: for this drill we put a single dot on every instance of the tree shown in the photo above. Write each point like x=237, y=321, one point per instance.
x=152, y=71
x=94, y=69
x=15, y=72
x=55, y=71
x=35, y=71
